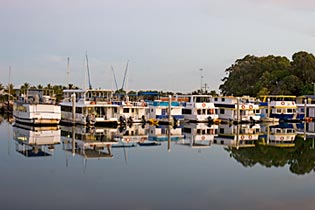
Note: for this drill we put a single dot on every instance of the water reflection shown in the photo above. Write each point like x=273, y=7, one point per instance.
x=35, y=141
x=198, y=135
x=131, y=136
x=269, y=145
x=88, y=142
x=279, y=146
x=281, y=135
x=238, y=136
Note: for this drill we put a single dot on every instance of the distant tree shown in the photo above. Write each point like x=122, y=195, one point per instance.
x=24, y=87
x=254, y=76
x=303, y=67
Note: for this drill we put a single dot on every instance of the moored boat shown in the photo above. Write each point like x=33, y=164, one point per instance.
x=282, y=107
x=237, y=109
x=198, y=108
x=36, y=108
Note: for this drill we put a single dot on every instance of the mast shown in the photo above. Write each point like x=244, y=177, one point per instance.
x=88, y=70
x=122, y=87
x=68, y=71
x=114, y=77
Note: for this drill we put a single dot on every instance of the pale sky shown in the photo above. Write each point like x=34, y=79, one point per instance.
x=165, y=41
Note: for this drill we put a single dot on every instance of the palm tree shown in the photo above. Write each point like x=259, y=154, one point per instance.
x=24, y=87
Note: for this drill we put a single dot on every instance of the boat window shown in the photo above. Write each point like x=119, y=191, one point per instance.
x=199, y=111
x=278, y=130
x=215, y=99
x=222, y=111
x=222, y=99
x=78, y=110
x=186, y=111
x=221, y=130
x=202, y=99
x=204, y=111
x=126, y=110
x=66, y=108
x=187, y=130
x=279, y=111
x=289, y=110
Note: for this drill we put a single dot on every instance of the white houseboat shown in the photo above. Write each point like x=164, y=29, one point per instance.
x=306, y=107
x=237, y=109
x=132, y=111
x=282, y=107
x=198, y=108
x=96, y=106
x=36, y=108
x=159, y=111
x=88, y=107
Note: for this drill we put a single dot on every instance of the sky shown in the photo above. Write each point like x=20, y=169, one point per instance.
x=166, y=42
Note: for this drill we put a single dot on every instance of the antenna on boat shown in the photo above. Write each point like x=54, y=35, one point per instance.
x=125, y=75
x=68, y=71
x=88, y=70
x=114, y=77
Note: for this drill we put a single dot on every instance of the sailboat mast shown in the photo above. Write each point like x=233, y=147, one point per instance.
x=88, y=70
x=122, y=87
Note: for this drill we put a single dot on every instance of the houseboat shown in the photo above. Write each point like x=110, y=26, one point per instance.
x=281, y=107
x=240, y=135
x=306, y=107
x=159, y=111
x=131, y=111
x=88, y=107
x=34, y=141
x=198, y=108
x=237, y=109
x=37, y=108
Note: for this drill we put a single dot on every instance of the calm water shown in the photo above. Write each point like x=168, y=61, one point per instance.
x=212, y=172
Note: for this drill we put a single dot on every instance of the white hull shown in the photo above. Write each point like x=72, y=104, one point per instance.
x=37, y=114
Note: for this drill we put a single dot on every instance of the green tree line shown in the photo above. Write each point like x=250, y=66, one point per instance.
x=270, y=74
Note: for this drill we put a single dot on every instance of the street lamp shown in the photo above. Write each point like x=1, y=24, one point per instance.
x=201, y=70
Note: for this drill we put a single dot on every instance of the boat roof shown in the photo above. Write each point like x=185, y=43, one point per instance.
x=87, y=90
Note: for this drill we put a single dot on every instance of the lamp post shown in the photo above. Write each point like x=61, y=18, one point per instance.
x=201, y=70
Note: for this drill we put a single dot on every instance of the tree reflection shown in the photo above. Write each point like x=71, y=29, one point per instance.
x=300, y=158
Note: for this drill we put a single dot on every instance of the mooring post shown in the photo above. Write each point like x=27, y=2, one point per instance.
x=73, y=100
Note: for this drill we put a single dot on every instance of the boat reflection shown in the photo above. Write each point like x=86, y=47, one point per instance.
x=165, y=133
x=131, y=136
x=241, y=135
x=281, y=135
x=88, y=142
x=35, y=141
x=198, y=135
